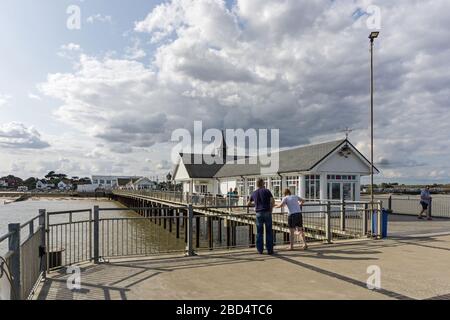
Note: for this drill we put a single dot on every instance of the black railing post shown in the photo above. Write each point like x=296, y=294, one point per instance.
x=342, y=215
x=43, y=247
x=328, y=234
x=14, y=247
x=189, y=244
x=429, y=211
x=96, y=234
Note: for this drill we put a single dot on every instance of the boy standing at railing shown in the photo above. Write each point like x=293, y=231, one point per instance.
x=295, y=217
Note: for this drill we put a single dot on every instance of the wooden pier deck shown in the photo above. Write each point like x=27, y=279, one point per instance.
x=412, y=267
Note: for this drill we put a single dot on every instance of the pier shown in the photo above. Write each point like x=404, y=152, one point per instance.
x=200, y=239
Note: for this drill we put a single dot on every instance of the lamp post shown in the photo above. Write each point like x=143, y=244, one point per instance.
x=373, y=35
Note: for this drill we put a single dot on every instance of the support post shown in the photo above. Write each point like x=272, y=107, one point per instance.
x=390, y=202
x=197, y=232
x=328, y=235
x=177, y=214
x=210, y=232
x=429, y=211
x=14, y=247
x=342, y=220
x=42, y=247
x=364, y=219
x=96, y=234
x=189, y=245
x=379, y=215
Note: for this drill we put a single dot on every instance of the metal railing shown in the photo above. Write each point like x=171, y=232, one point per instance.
x=23, y=265
x=98, y=234
x=410, y=204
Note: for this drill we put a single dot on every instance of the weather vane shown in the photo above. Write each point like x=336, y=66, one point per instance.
x=347, y=131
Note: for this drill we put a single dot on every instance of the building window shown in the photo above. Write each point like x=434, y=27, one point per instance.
x=108, y=182
x=312, y=187
x=276, y=187
x=292, y=184
x=102, y=181
x=251, y=183
x=95, y=181
x=201, y=188
x=341, y=187
x=241, y=187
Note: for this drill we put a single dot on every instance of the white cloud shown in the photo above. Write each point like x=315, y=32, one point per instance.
x=300, y=66
x=99, y=18
x=16, y=135
x=34, y=96
x=4, y=99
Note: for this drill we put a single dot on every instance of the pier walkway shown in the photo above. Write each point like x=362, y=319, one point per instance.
x=412, y=267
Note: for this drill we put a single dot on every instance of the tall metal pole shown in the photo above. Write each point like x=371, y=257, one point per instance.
x=371, y=124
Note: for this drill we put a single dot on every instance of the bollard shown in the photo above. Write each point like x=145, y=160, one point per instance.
x=14, y=247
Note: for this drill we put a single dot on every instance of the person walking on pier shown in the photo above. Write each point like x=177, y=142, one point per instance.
x=295, y=217
x=264, y=202
x=425, y=198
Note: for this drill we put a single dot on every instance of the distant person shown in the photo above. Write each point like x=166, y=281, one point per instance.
x=264, y=202
x=295, y=217
x=425, y=199
x=236, y=196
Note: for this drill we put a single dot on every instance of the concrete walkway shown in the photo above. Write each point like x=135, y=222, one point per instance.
x=412, y=267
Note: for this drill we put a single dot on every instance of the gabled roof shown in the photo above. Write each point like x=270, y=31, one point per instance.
x=297, y=159
x=197, y=167
x=303, y=158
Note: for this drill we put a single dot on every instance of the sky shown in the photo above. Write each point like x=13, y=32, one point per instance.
x=106, y=97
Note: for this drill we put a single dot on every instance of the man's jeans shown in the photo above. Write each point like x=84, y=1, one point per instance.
x=264, y=219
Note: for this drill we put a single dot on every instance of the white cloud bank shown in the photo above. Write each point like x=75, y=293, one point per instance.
x=17, y=136
x=301, y=66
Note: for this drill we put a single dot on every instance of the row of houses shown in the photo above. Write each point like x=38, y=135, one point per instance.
x=330, y=170
x=118, y=182
x=47, y=185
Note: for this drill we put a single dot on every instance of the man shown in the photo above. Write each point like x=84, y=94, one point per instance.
x=425, y=198
x=295, y=217
x=264, y=202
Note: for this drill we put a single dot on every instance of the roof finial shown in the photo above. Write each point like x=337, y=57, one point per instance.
x=347, y=131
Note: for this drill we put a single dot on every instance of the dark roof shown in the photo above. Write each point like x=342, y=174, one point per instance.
x=297, y=159
x=197, y=167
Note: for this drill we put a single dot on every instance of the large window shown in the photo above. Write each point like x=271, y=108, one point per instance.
x=276, y=187
x=292, y=184
x=201, y=188
x=312, y=187
x=341, y=187
x=251, y=183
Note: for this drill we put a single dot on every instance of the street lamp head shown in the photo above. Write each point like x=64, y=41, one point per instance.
x=373, y=35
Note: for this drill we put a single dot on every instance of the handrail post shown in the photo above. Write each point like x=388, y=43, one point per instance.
x=189, y=243
x=328, y=236
x=429, y=211
x=14, y=247
x=43, y=247
x=390, y=202
x=96, y=234
x=364, y=218
x=342, y=220
x=379, y=222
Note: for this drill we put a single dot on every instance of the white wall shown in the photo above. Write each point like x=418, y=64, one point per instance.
x=338, y=164
x=181, y=173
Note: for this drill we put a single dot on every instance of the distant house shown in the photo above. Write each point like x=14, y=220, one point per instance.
x=144, y=184
x=130, y=184
x=41, y=185
x=22, y=189
x=111, y=182
x=64, y=186
x=3, y=184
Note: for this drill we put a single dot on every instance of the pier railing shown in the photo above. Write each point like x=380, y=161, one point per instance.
x=23, y=265
x=147, y=226
x=438, y=207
